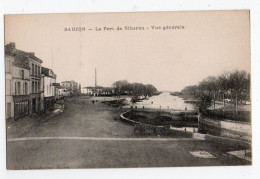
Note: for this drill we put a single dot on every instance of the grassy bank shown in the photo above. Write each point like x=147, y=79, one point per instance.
x=163, y=118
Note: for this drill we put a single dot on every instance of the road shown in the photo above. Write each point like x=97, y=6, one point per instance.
x=87, y=136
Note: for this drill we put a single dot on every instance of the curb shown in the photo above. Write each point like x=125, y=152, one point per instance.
x=123, y=118
x=219, y=139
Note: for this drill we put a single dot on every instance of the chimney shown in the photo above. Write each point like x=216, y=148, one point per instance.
x=95, y=77
x=10, y=47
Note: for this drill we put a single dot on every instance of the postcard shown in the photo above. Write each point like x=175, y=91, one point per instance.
x=128, y=90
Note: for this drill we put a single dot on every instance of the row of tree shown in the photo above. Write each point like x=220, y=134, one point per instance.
x=124, y=87
x=229, y=86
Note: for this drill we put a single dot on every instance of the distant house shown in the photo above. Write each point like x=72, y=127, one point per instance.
x=88, y=90
x=98, y=91
x=70, y=86
x=108, y=91
x=63, y=92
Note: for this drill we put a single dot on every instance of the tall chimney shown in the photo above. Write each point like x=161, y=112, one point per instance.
x=95, y=77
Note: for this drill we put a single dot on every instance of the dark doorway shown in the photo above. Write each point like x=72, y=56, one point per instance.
x=34, y=105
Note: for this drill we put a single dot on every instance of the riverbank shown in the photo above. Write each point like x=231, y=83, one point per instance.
x=161, y=118
x=218, y=111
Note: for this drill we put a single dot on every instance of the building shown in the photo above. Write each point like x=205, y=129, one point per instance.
x=57, y=87
x=49, y=91
x=87, y=90
x=70, y=86
x=17, y=89
x=9, y=109
x=63, y=92
x=92, y=91
x=108, y=91
x=98, y=91
x=36, y=100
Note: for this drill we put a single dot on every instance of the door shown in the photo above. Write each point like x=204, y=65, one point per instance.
x=8, y=112
x=34, y=105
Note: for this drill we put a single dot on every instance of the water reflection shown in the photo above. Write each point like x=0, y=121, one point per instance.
x=163, y=101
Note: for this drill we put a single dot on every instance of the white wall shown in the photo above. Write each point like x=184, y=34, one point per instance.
x=49, y=89
x=17, y=78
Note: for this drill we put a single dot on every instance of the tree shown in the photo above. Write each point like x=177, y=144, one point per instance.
x=238, y=84
x=224, y=85
x=123, y=86
x=120, y=86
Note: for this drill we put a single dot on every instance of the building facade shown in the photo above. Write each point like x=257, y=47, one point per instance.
x=98, y=91
x=21, y=81
x=35, y=101
x=63, y=92
x=30, y=88
x=9, y=105
x=70, y=86
x=17, y=82
x=49, y=91
x=87, y=91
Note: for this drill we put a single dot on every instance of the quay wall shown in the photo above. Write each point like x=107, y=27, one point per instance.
x=225, y=128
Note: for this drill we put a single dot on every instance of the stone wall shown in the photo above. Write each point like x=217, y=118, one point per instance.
x=226, y=128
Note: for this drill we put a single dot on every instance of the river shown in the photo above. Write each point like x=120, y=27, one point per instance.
x=163, y=101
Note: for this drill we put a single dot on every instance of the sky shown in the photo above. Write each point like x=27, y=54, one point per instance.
x=210, y=44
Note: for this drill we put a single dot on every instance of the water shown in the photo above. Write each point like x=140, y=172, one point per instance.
x=163, y=101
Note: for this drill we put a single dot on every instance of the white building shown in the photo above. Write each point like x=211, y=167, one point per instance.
x=87, y=91
x=63, y=92
x=48, y=81
x=8, y=86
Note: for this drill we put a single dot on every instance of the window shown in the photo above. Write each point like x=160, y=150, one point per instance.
x=32, y=69
x=23, y=91
x=32, y=86
x=39, y=87
x=22, y=74
x=35, y=86
x=39, y=72
x=47, y=89
x=8, y=66
x=26, y=88
x=15, y=88
x=19, y=88
x=36, y=71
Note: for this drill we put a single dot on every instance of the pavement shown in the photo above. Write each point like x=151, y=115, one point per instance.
x=86, y=135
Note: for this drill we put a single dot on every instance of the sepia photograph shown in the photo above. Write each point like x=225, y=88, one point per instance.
x=128, y=90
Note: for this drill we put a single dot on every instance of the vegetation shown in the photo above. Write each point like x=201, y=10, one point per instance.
x=123, y=87
x=233, y=87
x=160, y=119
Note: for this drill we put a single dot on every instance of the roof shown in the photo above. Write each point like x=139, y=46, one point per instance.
x=32, y=56
x=88, y=87
x=98, y=87
x=69, y=81
x=21, y=60
x=10, y=49
x=48, y=72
